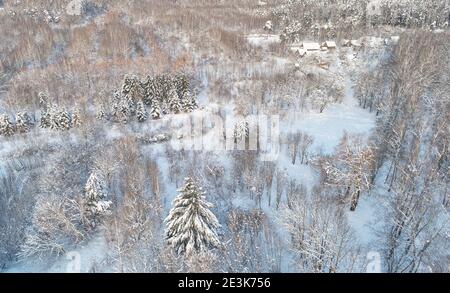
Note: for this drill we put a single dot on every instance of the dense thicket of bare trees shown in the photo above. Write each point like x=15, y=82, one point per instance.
x=320, y=235
x=350, y=169
x=340, y=18
x=412, y=157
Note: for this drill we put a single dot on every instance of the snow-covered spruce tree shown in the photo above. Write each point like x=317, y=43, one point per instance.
x=53, y=114
x=115, y=105
x=182, y=84
x=124, y=104
x=150, y=92
x=125, y=109
x=191, y=226
x=101, y=113
x=165, y=108
x=141, y=112
x=191, y=102
x=6, y=126
x=184, y=101
x=45, y=120
x=166, y=85
x=76, y=118
x=64, y=120
x=95, y=194
x=128, y=101
x=188, y=102
x=174, y=101
x=43, y=101
x=122, y=107
x=155, y=111
x=127, y=84
x=132, y=92
x=163, y=84
x=158, y=88
x=23, y=122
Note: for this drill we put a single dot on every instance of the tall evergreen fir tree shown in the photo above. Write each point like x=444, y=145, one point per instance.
x=150, y=90
x=132, y=92
x=64, y=120
x=115, y=105
x=76, y=118
x=129, y=102
x=95, y=196
x=54, y=116
x=191, y=227
x=155, y=111
x=44, y=101
x=164, y=83
x=182, y=84
x=193, y=102
x=45, y=120
x=124, y=110
x=141, y=112
x=126, y=84
x=189, y=103
x=185, y=101
x=6, y=126
x=174, y=101
x=165, y=107
x=158, y=88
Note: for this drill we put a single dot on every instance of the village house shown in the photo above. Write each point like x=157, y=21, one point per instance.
x=311, y=47
x=330, y=45
x=306, y=47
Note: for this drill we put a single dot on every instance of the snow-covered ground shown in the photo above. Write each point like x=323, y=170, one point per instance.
x=79, y=260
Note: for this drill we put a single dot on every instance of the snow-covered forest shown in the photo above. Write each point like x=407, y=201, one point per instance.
x=224, y=136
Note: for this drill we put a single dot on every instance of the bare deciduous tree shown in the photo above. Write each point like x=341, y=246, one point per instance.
x=350, y=168
x=320, y=236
